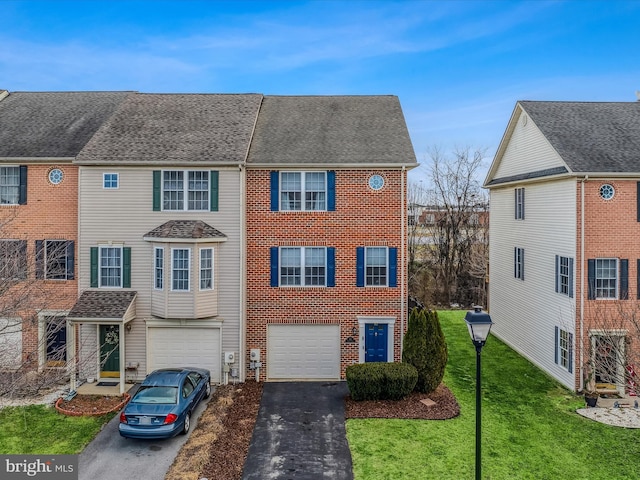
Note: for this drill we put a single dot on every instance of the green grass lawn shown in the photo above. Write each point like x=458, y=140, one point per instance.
x=39, y=429
x=529, y=427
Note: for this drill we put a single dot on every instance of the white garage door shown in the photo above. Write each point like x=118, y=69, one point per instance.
x=303, y=352
x=185, y=347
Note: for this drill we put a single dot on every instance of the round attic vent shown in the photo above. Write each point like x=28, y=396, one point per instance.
x=607, y=191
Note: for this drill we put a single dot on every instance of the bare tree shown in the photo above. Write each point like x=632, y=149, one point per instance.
x=454, y=230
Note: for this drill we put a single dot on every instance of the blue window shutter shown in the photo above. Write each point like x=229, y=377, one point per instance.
x=570, y=277
x=360, y=266
x=557, y=348
x=214, y=179
x=39, y=259
x=126, y=267
x=94, y=267
x=557, y=273
x=157, y=189
x=591, y=278
x=22, y=192
x=570, y=340
x=393, y=267
x=275, y=190
x=70, y=260
x=273, y=262
x=331, y=267
x=624, y=279
x=331, y=190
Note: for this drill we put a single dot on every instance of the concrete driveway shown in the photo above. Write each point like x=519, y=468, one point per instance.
x=300, y=433
x=110, y=456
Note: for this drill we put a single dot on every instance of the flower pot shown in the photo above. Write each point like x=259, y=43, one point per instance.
x=591, y=400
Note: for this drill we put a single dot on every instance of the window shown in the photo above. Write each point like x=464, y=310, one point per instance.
x=180, y=260
x=564, y=275
x=110, y=181
x=206, y=268
x=303, y=266
x=303, y=191
x=185, y=190
x=518, y=262
x=110, y=266
x=376, y=266
x=564, y=349
x=606, y=277
x=158, y=268
x=519, y=203
x=13, y=185
x=55, y=259
x=13, y=259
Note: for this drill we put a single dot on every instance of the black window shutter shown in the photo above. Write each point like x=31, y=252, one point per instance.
x=126, y=267
x=157, y=189
x=557, y=273
x=40, y=259
x=331, y=191
x=360, y=266
x=624, y=279
x=591, y=278
x=331, y=267
x=638, y=202
x=571, y=278
x=22, y=192
x=94, y=267
x=638, y=279
x=393, y=267
x=523, y=203
x=214, y=190
x=557, y=345
x=515, y=203
x=70, y=260
x=570, y=340
x=275, y=190
x=273, y=265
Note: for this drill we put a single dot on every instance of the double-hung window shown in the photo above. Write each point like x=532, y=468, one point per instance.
x=564, y=275
x=302, y=267
x=519, y=203
x=111, y=266
x=185, y=190
x=55, y=259
x=303, y=191
x=13, y=185
x=206, y=268
x=608, y=278
x=158, y=268
x=564, y=349
x=376, y=266
x=180, y=268
x=518, y=263
x=13, y=259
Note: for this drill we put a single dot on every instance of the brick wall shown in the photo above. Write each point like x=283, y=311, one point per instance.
x=363, y=217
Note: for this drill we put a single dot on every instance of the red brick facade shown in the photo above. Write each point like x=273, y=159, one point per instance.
x=362, y=217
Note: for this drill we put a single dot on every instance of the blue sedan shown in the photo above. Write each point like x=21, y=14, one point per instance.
x=162, y=406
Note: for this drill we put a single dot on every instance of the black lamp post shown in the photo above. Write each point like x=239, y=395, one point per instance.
x=479, y=323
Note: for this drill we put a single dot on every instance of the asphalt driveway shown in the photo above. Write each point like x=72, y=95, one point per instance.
x=300, y=433
x=110, y=456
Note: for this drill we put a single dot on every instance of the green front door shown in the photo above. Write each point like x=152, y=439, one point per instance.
x=109, y=351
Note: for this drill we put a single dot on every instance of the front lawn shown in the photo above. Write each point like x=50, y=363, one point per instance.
x=39, y=429
x=529, y=427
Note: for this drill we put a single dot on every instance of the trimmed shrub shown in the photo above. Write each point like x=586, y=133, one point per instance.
x=436, y=351
x=380, y=380
x=415, y=344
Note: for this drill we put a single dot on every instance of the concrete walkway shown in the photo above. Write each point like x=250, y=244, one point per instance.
x=300, y=433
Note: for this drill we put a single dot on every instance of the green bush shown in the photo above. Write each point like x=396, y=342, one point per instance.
x=415, y=344
x=381, y=380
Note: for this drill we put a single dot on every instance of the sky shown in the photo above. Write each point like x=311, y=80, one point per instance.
x=458, y=67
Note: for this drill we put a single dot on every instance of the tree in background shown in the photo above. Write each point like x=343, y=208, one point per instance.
x=448, y=231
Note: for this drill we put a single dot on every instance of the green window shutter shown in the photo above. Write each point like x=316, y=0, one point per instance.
x=126, y=267
x=94, y=267
x=214, y=190
x=157, y=189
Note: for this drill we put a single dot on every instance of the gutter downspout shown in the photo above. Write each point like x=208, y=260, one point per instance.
x=582, y=265
x=403, y=254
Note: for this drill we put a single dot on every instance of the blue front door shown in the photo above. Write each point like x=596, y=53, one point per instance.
x=376, y=342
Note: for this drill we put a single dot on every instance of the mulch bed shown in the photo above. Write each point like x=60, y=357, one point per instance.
x=91, y=404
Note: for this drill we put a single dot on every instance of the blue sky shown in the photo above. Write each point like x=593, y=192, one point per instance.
x=458, y=67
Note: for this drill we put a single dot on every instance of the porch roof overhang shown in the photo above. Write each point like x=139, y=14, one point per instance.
x=104, y=307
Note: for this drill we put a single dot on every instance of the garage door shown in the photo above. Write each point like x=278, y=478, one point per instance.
x=185, y=347
x=303, y=352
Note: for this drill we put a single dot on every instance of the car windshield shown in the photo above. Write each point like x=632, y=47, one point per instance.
x=156, y=395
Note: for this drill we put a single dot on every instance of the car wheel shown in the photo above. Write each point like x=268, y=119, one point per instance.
x=187, y=424
x=207, y=391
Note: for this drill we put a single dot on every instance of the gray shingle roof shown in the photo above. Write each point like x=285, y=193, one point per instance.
x=169, y=128
x=185, y=229
x=52, y=124
x=589, y=136
x=102, y=304
x=331, y=130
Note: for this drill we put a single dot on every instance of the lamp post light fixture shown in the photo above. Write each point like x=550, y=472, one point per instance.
x=479, y=324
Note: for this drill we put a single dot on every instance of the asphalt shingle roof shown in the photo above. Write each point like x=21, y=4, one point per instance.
x=102, y=304
x=185, y=229
x=591, y=136
x=170, y=128
x=52, y=124
x=331, y=129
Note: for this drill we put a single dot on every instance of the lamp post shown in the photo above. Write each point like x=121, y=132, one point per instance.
x=479, y=323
